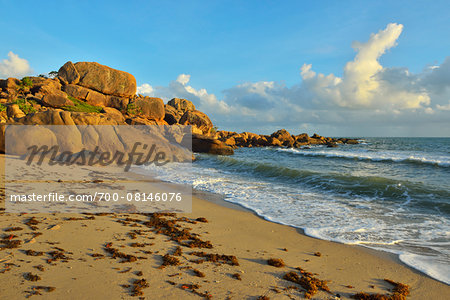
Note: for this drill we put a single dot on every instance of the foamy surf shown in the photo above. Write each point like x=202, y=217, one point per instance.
x=440, y=161
x=400, y=208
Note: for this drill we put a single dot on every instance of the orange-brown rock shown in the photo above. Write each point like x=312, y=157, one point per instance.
x=302, y=138
x=171, y=115
x=284, y=137
x=120, y=103
x=198, y=119
x=181, y=104
x=68, y=74
x=56, y=100
x=90, y=96
x=106, y=80
x=203, y=144
x=114, y=114
x=148, y=107
x=45, y=86
x=274, y=142
x=230, y=141
x=13, y=111
x=10, y=85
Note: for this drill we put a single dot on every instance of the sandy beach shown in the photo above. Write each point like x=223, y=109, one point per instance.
x=126, y=256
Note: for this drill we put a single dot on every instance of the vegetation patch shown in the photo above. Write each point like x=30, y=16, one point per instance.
x=25, y=105
x=81, y=106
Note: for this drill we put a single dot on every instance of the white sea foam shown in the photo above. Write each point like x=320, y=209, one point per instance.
x=344, y=218
x=427, y=265
x=442, y=161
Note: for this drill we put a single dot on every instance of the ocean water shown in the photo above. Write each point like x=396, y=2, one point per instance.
x=391, y=194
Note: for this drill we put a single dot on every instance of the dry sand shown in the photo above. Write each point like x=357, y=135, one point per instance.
x=77, y=258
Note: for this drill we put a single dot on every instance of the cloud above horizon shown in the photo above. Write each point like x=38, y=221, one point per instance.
x=366, y=94
x=14, y=66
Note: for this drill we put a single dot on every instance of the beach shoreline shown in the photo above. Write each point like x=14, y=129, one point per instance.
x=90, y=271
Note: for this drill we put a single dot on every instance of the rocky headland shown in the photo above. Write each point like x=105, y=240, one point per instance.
x=88, y=93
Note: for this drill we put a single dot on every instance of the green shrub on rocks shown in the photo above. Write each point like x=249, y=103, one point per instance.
x=81, y=106
x=25, y=106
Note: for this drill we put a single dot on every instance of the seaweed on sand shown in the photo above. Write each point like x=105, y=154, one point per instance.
x=218, y=258
x=178, y=251
x=33, y=253
x=115, y=253
x=198, y=273
x=161, y=224
x=307, y=281
x=276, y=262
x=399, y=292
x=169, y=260
x=31, y=277
x=138, y=286
x=9, y=243
x=32, y=222
x=193, y=289
x=13, y=229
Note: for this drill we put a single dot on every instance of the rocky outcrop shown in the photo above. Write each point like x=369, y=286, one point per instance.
x=88, y=93
x=280, y=138
x=198, y=120
x=284, y=137
x=104, y=79
x=175, y=109
x=204, y=144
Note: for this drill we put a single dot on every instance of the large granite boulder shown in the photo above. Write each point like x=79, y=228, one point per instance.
x=10, y=85
x=13, y=111
x=148, y=107
x=95, y=98
x=114, y=114
x=106, y=80
x=203, y=144
x=88, y=95
x=284, y=137
x=45, y=86
x=197, y=119
x=181, y=104
x=68, y=74
x=56, y=100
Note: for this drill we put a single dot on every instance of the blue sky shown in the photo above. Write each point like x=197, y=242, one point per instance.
x=235, y=49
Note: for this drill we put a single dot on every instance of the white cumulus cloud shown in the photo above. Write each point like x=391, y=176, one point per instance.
x=14, y=66
x=145, y=89
x=367, y=99
x=365, y=83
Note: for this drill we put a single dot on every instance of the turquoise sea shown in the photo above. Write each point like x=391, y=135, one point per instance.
x=391, y=194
